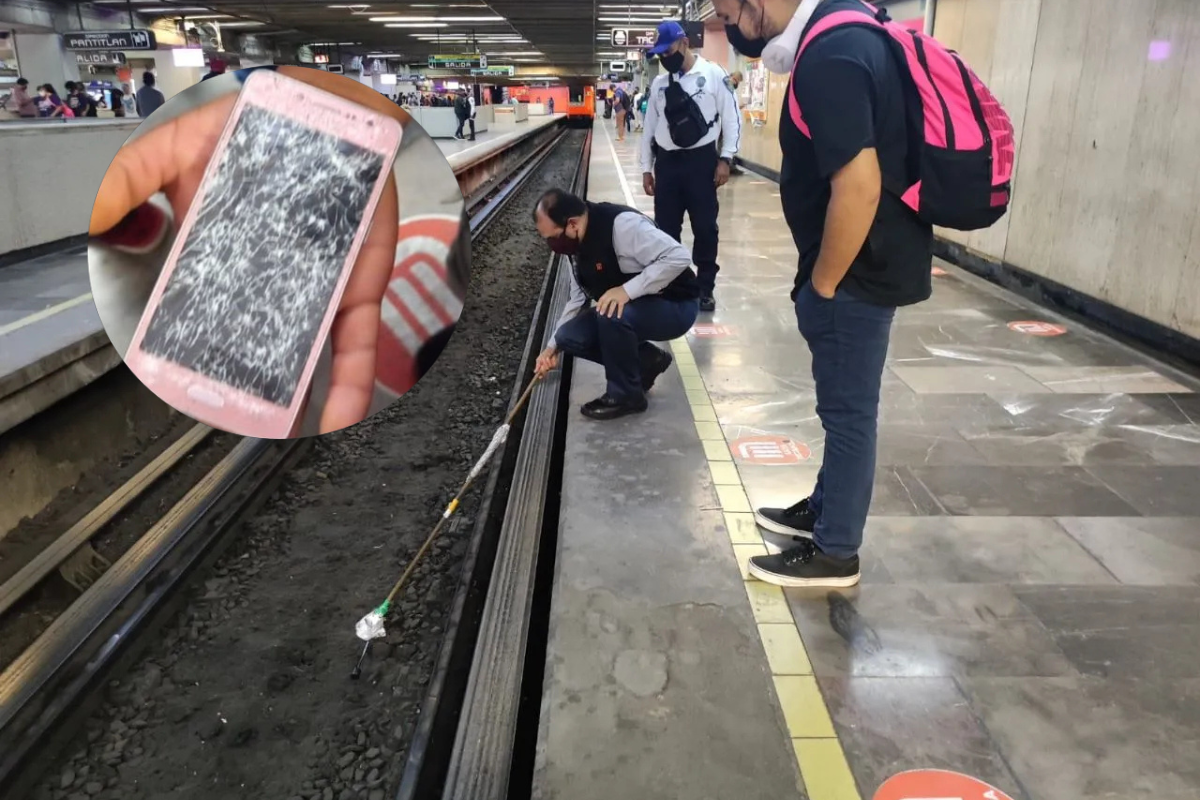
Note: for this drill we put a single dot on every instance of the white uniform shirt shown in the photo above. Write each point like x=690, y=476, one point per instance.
x=708, y=84
x=471, y=104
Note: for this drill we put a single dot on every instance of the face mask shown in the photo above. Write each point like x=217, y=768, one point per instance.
x=563, y=244
x=672, y=62
x=778, y=54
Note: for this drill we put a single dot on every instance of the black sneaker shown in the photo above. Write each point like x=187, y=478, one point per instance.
x=805, y=565
x=707, y=303
x=791, y=521
x=654, y=362
x=606, y=408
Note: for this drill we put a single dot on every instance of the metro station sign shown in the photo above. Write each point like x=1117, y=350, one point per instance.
x=639, y=38
x=134, y=39
x=506, y=72
x=100, y=58
x=469, y=61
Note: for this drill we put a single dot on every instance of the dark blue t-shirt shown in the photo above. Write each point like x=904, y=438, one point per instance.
x=853, y=96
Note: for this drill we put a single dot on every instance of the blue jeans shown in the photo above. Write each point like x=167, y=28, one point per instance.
x=616, y=343
x=848, y=339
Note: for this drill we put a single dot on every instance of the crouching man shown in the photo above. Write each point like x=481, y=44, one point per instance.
x=643, y=286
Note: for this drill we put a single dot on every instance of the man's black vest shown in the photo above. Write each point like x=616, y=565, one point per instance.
x=596, y=266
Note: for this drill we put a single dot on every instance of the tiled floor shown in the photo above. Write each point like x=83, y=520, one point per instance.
x=1030, y=608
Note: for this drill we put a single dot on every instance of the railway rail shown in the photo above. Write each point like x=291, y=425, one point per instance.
x=50, y=688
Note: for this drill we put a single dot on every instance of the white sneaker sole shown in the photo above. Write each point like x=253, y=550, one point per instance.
x=799, y=583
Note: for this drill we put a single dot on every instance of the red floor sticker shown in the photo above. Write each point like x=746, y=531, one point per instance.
x=936, y=784
x=711, y=330
x=770, y=450
x=1035, y=328
x=938, y=272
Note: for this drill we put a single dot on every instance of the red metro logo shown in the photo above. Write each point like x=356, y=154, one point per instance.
x=936, y=784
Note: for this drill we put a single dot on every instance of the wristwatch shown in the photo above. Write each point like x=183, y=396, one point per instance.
x=728, y=161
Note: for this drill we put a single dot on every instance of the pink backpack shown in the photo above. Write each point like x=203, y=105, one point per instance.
x=966, y=152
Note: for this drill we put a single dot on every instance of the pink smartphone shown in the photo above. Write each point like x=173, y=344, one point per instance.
x=241, y=311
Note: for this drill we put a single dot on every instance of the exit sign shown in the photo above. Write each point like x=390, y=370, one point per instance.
x=476, y=61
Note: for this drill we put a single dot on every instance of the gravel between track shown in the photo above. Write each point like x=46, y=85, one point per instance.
x=247, y=694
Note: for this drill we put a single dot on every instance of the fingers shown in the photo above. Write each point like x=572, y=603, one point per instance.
x=172, y=156
x=355, y=332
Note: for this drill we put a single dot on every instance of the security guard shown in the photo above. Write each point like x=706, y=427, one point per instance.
x=642, y=283
x=691, y=107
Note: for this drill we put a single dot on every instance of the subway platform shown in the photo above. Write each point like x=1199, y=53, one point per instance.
x=51, y=341
x=1031, y=571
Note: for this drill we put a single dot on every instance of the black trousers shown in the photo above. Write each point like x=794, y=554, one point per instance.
x=462, y=122
x=683, y=183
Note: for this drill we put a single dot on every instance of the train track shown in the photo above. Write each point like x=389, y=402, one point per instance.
x=51, y=687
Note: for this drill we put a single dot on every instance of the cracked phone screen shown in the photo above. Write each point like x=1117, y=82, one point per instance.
x=256, y=275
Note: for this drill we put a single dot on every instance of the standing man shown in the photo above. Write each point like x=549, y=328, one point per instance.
x=690, y=109
x=642, y=283
x=149, y=98
x=863, y=253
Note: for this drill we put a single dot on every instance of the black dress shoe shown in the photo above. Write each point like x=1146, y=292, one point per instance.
x=707, y=303
x=654, y=363
x=606, y=408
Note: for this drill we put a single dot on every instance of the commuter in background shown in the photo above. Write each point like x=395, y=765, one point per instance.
x=863, y=253
x=20, y=100
x=551, y=105
x=621, y=107
x=642, y=283
x=79, y=101
x=691, y=107
x=118, y=101
x=215, y=67
x=149, y=98
x=49, y=103
x=128, y=101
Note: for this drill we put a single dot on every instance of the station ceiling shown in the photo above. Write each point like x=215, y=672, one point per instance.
x=566, y=37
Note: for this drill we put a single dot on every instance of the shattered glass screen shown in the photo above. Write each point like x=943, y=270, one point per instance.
x=254, y=279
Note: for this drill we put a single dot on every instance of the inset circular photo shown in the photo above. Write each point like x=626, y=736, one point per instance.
x=279, y=252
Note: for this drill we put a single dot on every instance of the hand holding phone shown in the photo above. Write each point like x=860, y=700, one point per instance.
x=279, y=191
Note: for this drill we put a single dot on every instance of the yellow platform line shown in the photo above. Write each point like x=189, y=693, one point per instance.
x=819, y=755
x=818, y=750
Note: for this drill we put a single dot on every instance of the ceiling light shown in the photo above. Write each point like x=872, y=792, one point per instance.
x=240, y=24
x=415, y=25
x=398, y=18
x=356, y=5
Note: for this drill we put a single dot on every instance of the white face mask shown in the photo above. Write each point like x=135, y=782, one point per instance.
x=779, y=56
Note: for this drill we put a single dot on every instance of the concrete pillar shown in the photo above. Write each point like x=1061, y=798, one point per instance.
x=171, y=80
x=42, y=58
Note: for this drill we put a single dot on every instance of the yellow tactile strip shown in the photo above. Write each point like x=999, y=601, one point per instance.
x=818, y=751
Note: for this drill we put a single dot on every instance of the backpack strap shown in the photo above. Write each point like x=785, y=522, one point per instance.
x=868, y=16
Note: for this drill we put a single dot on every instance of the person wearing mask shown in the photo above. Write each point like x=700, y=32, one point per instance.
x=690, y=108
x=863, y=253
x=463, y=112
x=149, y=98
x=20, y=100
x=643, y=287
x=49, y=103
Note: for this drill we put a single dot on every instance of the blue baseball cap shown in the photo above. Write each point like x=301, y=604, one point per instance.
x=669, y=32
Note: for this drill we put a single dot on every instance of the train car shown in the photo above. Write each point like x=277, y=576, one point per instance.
x=581, y=105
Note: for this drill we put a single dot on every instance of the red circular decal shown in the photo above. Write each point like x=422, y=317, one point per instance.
x=711, y=330
x=936, y=784
x=419, y=302
x=1036, y=328
x=770, y=450
x=938, y=272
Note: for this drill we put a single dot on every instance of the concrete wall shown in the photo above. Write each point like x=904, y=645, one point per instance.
x=1104, y=98
x=50, y=172
x=42, y=58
